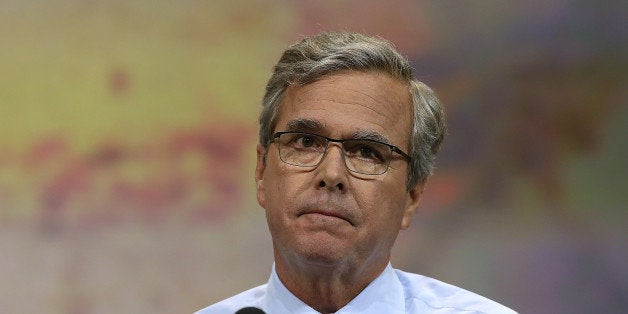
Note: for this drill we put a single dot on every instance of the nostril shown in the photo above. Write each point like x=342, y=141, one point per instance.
x=339, y=186
x=322, y=184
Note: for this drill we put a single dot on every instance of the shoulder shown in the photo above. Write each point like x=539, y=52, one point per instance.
x=425, y=294
x=251, y=297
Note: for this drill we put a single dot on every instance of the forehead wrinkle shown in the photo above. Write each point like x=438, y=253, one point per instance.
x=383, y=100
x=381, y=103
x=379, y=108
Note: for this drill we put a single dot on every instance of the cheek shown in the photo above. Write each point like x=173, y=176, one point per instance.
x=282, y=190
x=384, y=206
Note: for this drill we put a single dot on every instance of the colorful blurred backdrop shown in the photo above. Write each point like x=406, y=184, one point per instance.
x=128, y=133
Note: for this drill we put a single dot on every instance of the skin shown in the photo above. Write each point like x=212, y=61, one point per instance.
x=332, y=229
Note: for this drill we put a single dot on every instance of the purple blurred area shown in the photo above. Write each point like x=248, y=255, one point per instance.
x=128, y=133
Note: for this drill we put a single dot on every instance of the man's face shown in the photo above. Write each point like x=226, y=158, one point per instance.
x=329, y=215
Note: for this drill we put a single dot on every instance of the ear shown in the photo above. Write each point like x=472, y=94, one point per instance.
x=259, y=175
x=412, y=203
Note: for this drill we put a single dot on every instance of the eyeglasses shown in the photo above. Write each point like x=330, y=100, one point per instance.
x=363, y=156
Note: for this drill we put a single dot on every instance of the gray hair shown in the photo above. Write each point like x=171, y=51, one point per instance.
x=316, y=57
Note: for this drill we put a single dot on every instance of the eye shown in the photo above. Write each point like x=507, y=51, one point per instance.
x=365, y=150
x=306, y=141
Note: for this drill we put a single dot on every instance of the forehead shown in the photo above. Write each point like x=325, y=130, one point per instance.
x=348, y=103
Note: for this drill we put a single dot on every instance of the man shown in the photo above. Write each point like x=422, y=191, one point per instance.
x=347, y=141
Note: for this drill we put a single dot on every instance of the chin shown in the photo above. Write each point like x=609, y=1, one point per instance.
x=321, y=253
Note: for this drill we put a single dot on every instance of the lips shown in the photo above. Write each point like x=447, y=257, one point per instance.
x=330, y=214
x=336, y=211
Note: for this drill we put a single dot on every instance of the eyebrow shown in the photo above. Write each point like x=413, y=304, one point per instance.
x=304, y=125
x=316, y=126
x=371, y=135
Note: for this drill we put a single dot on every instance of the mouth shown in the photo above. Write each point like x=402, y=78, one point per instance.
x=325, y=213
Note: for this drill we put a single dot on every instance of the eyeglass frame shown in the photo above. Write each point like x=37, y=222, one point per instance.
x=393, y=148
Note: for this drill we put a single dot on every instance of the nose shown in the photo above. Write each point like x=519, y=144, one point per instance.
x=332, y=172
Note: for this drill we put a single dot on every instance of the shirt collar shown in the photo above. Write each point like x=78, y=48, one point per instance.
x=383, y=295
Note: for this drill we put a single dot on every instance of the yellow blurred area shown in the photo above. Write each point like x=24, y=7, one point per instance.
x=90, y=71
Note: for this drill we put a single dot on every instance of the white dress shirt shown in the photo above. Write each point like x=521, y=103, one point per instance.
x=394, y=291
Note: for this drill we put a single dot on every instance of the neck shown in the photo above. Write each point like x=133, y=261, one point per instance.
x=327, y=287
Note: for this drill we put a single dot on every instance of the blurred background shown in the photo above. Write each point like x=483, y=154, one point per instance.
x=128, y=132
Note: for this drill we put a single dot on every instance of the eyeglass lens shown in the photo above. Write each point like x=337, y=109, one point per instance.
x=307, y=150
